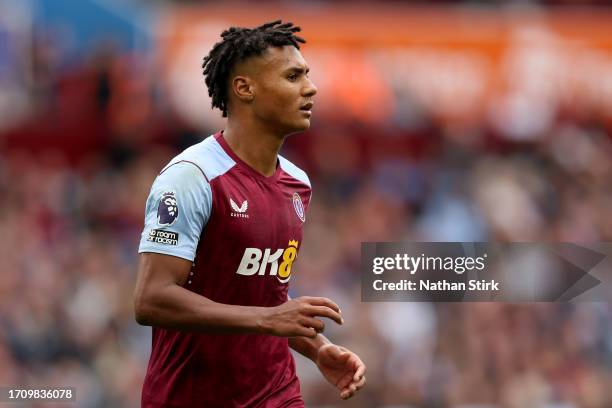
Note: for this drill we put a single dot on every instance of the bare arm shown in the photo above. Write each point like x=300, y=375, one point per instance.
x=340, y=366
x=161, y=301
x=308, y=346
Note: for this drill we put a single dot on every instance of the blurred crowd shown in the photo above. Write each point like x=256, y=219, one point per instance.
x=75, y=170
x=478, y=3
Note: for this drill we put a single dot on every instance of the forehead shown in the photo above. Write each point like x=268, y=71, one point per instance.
x=282, y=58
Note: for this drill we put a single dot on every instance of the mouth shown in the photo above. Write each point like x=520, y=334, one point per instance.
x=306, y=108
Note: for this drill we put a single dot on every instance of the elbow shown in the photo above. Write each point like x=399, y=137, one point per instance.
x=142, y=318
x=142, y=310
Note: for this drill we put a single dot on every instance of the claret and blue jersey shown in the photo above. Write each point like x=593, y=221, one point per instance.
x=242, y=231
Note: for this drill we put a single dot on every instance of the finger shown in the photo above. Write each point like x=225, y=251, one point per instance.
x=359, y=384
x=344, y=358
x=324, y=311
x=345, y=381
x=347, y=393
x=316, y=324
x=306, y=332
x=322, y=301
x=352, y=390
x=361, y=369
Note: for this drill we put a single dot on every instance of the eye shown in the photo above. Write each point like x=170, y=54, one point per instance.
x=292, y=77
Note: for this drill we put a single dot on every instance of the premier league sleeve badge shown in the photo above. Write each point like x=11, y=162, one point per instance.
x=167, y=210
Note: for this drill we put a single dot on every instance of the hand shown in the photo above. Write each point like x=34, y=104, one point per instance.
x=297, y=317
x=342, y=368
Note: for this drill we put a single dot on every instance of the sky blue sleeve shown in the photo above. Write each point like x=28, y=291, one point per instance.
x=177, y=210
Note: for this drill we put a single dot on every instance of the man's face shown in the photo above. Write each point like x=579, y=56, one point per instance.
x=283, y=92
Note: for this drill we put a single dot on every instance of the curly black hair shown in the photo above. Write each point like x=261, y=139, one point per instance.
x=237, y=45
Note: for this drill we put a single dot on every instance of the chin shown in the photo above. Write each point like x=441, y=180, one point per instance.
x=305, y=123
x=299, y=127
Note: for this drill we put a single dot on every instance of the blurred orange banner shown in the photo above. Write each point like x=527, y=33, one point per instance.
x=375, y=62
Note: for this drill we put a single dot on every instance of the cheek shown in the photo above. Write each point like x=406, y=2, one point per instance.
x=280, y=97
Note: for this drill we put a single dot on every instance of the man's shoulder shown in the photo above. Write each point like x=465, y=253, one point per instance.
x=207, y=156
x=293, y=170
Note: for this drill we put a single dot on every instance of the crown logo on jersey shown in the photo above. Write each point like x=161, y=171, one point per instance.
x=293, y=243
x=239, y=212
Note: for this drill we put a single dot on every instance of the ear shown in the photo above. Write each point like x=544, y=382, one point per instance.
x=242, y=87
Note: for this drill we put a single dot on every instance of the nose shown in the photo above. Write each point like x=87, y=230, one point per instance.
x=310, y=89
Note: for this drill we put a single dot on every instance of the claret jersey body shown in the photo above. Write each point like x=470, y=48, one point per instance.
x=242, y=231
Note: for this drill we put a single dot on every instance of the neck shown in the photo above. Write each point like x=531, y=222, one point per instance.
x=255, y=145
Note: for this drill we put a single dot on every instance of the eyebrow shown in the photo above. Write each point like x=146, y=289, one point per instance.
x=298, y=70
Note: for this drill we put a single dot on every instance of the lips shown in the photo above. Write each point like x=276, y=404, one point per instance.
x=307, y=106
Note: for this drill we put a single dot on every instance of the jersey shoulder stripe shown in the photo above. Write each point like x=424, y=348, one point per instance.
x=208, y=156
x=293, y=170
x=184, y=161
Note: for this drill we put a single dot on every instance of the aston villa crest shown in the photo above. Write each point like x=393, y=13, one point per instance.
x=299, y=206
